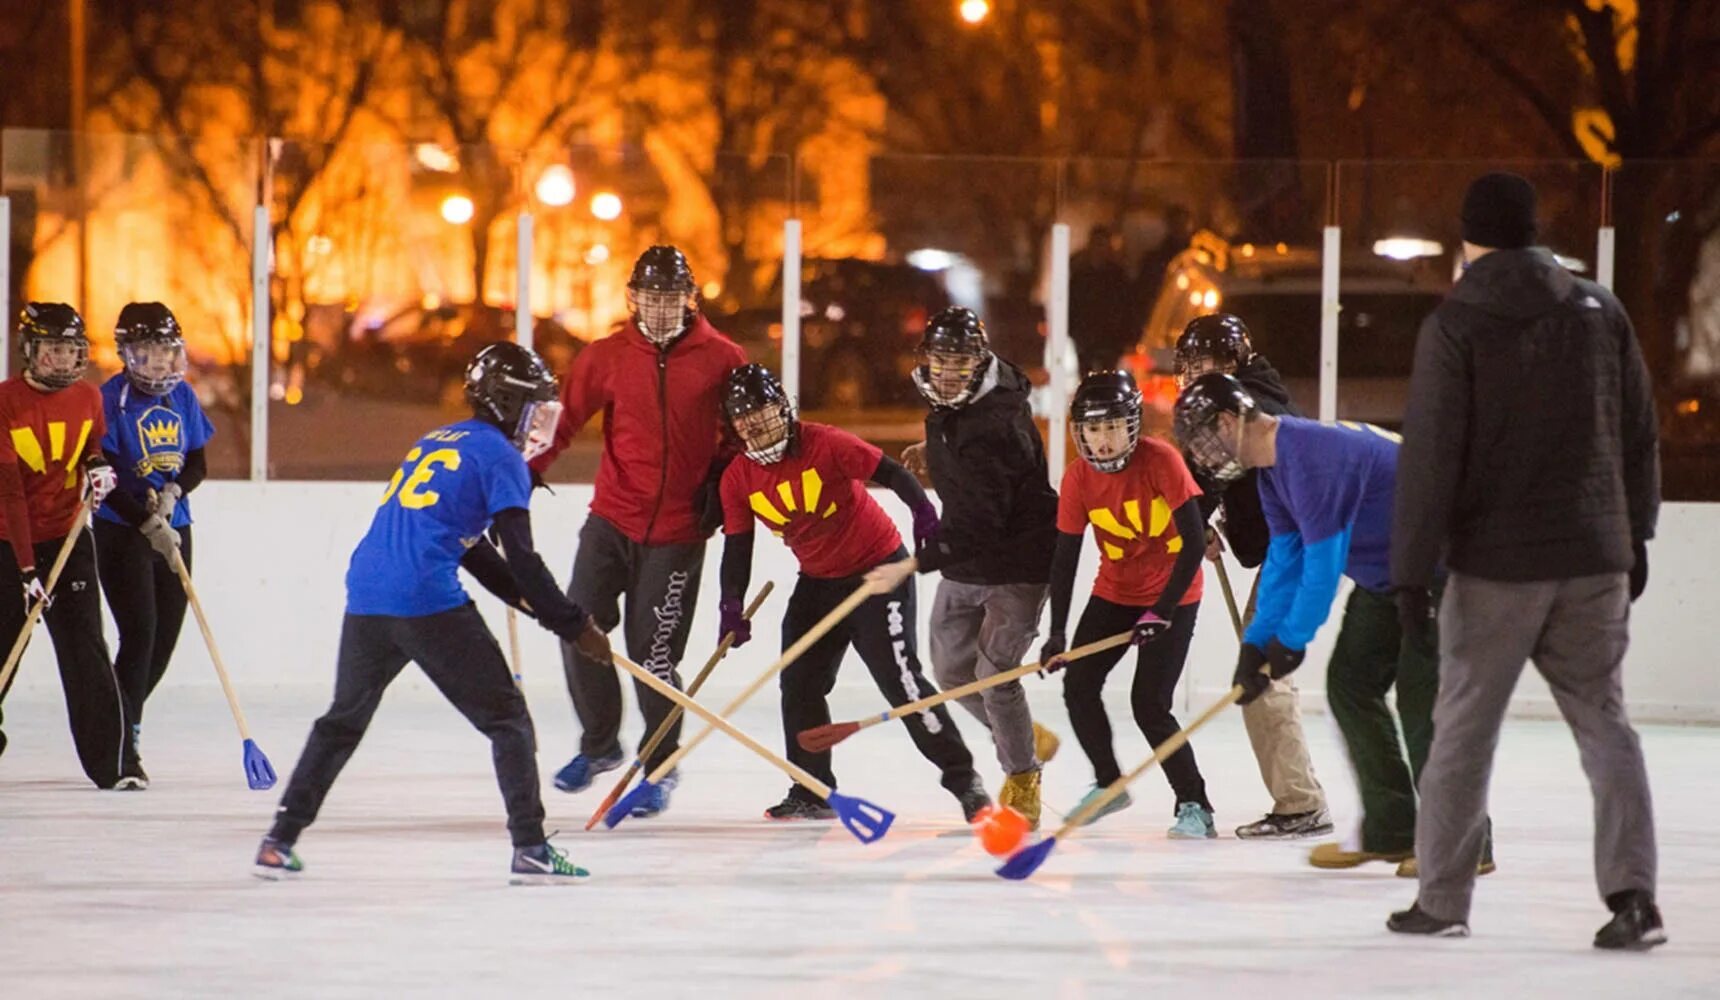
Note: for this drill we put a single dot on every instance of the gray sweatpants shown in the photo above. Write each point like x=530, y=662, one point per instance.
x=1576, y=632
x=661, y=584
x=980, y=630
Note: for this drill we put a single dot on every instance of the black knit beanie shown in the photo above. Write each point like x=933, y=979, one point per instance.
x=1499, y=212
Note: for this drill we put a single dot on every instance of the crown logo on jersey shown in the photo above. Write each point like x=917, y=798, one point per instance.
x=160, y=434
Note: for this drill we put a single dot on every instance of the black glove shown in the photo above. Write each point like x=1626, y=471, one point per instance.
x=1284, y=660
x=1248, y=675
x=1415, y=610
x=1638, y=570
x=1055, y=645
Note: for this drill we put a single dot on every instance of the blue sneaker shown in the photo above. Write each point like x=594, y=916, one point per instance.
x=656, y=798
x=1117, y=804
x=1194, y=822
x=543, y=864
x=276, y=861
x=581, y=770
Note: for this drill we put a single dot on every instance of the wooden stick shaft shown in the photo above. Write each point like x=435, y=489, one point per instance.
x=514, y=644
x=35, y=612
x=1229, y=596
x=861, y=594
x=675, y=713
x=715, y=721
x=1163, y=751
x=984, y=683
x=209, y=640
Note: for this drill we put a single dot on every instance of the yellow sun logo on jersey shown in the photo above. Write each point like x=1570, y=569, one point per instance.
x=1158, y=519
x=811, y=491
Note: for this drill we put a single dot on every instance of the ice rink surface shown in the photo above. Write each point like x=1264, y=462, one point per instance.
x=149, y=894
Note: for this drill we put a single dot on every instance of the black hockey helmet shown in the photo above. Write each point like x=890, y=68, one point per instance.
x=1104, y=398
x=151, y=346
x=1217, y=342
x=1195, y=422
x=510, y=386
x=954, y=354
x=662, y=296
x=750, y=389
x=55, y=345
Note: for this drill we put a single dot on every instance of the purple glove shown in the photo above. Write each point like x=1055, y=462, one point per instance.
x=733, y=621
x=925, y=525
x=1148, y=627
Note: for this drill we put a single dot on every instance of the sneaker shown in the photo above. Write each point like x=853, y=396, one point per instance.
x=543, y=864
x=1021, y=793
x=582, y=770
x=1335, y=856
x=799, y=805
x=1194, y=822
x=973, y=799
x=1045, y=743
x=657, y=796
x=1287, y=826
x=276, y=861
x=1117, y=804
x=1409, y=869
x=1415, y=920
x=131, y=783
x=1635, y=925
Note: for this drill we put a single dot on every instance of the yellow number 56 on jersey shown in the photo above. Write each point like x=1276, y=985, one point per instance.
x=413, y=495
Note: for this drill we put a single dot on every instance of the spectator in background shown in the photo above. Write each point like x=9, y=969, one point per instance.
x=1150, y=269
x=1101, y=302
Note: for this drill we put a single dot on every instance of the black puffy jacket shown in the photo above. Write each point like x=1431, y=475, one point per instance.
x=988, y=465
x=1530, y=445
x=1244, y=522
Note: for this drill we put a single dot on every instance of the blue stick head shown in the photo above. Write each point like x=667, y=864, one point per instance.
x=1025, y=861
x=259, y=774
x=867, y=821
x=623, y=806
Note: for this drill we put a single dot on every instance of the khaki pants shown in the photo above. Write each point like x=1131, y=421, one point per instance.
x=1274, y=724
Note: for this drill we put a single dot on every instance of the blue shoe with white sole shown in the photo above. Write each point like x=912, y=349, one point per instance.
x=579, y=773
x=1194, y=822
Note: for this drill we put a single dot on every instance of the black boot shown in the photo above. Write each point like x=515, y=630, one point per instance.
x=1635, y=925
x=1415, y=920
x=973, y=798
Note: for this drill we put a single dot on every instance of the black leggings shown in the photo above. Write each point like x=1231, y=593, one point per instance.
x=1157, y=669
x=148, y=605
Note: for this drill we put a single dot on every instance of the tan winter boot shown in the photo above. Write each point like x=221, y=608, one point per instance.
x=1021, y=793
x=1334, y=856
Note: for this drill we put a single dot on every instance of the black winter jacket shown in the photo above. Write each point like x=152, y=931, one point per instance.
x=1530, y=446
x=988, y=465
x=1244, y=522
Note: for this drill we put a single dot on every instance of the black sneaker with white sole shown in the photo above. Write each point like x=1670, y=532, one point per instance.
x=973, y=798
x=1415, y=920
x=1635, y=925
x=1287, y=826
x=799, y=805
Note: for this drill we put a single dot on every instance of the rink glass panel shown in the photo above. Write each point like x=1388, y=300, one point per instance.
x=144, y=218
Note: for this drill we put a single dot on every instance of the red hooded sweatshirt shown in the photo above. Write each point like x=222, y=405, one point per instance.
x=662, y=426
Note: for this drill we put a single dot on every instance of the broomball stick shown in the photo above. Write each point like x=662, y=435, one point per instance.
x=867, y=821
x=514, y=646
x=1229, y=596
x=259, y=773
x=821, y=738
x=35, y=612
x=675, y=713
x=861, y=594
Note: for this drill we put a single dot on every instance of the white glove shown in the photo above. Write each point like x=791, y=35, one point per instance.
x=100, y=478
x=34, y=592
x=162, y=538
x=166, y=499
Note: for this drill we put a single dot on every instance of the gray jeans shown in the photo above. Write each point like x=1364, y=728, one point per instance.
x=1576, y=632
x=978, y=631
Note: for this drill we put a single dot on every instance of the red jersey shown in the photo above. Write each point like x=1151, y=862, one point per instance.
x=662, y=426
x=41, y=458
x=814, y=498
x=1130, y=512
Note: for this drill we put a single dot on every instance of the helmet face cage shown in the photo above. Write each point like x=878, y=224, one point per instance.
x=1215, y=343
x=155, y=365
x=765, y=430
x=1217, y=457
x=56, y=350
x=662, y=314
x=1099, y=420
x=535, y=431
x=1192, y=365
x=1198, y=423
x=950, y=377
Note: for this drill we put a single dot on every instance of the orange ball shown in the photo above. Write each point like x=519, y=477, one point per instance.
x=1000, y=830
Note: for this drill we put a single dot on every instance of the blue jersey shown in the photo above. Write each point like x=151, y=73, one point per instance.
x=1328, y=505
x=149, y=437
x=454, y=481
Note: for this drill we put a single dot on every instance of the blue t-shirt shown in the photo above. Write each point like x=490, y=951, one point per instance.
x=454, y=481
x=149, y=437
x=1328, y=506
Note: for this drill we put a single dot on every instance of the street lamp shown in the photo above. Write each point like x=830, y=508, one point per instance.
x=457, y=209
x=555, y=187
x=974, y=11
x=606, y=205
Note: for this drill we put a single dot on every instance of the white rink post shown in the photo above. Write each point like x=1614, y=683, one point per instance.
x=5, y=287
x=1605, y=246
x=791, y=309
x=1331, y=254
x=1056, y=346
x=261, y=356
x=523, y=283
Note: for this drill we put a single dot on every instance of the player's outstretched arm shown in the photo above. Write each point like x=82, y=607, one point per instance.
x=491, y=571
x=896, y=478
x=513, y=528
x=1064, y=561
x=734, y=576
